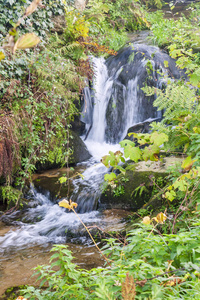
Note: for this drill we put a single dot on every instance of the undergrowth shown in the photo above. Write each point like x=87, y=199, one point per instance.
x=147, y=265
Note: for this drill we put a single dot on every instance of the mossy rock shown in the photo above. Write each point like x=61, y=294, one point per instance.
x=131, y=197
x=80, y=152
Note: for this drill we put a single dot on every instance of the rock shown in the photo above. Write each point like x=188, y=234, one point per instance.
x=48, y=183
x=142, y=175
x=131, y=198
x=142, y=127
x=80, y=152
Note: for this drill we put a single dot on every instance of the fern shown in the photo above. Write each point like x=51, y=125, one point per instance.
x=177, y=100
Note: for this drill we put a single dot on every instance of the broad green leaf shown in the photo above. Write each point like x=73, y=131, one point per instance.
x=110, y=177
x=105, y=161
x=124, y=143
x=181, y=185
x=127, y=151
x=113, y=159
x=158, y=138
x=170, y=195
x=62, y=180
x=151, y=153
x=195, y=77
x=135, y=154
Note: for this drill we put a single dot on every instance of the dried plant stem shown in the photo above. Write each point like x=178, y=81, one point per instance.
x=91, y=237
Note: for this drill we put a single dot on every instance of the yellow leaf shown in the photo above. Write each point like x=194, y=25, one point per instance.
x=27, y=40
x=32, y=7
x=146, y=220
x=187, y=163
x=68, y=204
x=160, y=218
x=2, y=55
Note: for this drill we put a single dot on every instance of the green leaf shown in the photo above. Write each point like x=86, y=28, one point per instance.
x=105, y=160
x=110, y=177
x=151, y=153
x=181, y=185
x=170, y=195
x=124, y=143
x=195, y=77
x=166, y=64
x=158, y=138
x=135, y=154
x=62, y=180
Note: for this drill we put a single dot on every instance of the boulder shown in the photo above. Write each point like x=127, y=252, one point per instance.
x=137, y=185
x=80, y=152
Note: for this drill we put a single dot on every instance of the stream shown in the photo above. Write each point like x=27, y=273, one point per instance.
x=113, y=104
x=27, y=236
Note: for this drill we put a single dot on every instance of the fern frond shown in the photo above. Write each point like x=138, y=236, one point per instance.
x=176, y=101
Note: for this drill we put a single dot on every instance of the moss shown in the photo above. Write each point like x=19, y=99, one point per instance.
x=79, y=149
x=137, y=189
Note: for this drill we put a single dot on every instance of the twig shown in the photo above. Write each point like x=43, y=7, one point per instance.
x=168, y=272
x=95, y=226
x=178, y=214
x=91, y=237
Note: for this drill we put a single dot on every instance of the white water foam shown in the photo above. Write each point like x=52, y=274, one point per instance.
x=51, y=224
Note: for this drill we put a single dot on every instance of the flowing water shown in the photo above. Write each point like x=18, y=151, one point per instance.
x=116, y=100
x=113, y=104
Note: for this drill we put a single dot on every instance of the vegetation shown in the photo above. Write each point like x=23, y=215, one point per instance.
x=148, y=265
x=159, y=257
x=40, y=88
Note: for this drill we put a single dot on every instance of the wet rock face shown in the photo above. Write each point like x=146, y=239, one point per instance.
x=133, y=68
x=117, y=100
x=132, y=65
x=80, y=152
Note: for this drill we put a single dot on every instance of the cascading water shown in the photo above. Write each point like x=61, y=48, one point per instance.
x=51, y=225
x=112, y=105
x=116, y=101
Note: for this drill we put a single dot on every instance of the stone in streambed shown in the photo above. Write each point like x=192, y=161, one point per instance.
x=142, y=175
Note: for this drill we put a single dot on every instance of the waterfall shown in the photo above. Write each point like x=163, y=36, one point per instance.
x=116, y=101
x=113, y=103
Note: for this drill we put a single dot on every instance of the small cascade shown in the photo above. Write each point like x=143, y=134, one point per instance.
x=44, y=223
x=87, y=190
x=116, y=100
